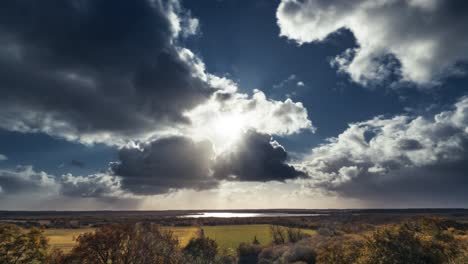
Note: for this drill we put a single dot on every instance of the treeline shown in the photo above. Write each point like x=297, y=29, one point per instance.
x=426, y=241
x=347, y=221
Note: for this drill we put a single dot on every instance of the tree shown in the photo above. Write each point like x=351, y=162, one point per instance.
x=248, y=253
x=19, y=247
x=339, y=250
x=255, y=241
x=295, y=234
x=202, y=250
x=408, y=243
x=277, y=234
x=126, y=244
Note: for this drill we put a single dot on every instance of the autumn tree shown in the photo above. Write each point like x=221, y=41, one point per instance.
x=126, y=244
x=295, y=234
x=277, y=234
x=201, y=250
x=339, y=250
x=20, y=247
x=414, y=243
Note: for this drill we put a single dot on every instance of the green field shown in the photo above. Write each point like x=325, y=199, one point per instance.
x=228, y=237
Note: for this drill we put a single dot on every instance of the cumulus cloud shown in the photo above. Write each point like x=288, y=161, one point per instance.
x=164, y=165
x=95, y=185
x=3, y=157
x=116, y=71
x=419, y=41
x=397, y=159
x=24, y=188
x=228, y=114
x=256, y=158
x=96, y=70
x=23, y=179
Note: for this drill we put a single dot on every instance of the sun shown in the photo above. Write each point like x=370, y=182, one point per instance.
x=223, y=129
x=228, y=128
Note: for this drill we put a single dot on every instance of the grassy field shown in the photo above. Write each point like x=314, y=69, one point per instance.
x=228, y=237
x=64, y=239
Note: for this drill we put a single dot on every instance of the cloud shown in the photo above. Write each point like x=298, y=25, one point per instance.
x=94, y=71
x=174, y=163
x=420, y=41
x=24, y=188
x=116, y=71
x=3, y=157
x=256, y=158
x=23, y=179
x=228, y=114
x=164, y=165
x=390, y=160
x=95, y=185
x=289, y=87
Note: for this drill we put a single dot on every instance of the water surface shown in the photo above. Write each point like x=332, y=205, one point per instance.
x=234, y=215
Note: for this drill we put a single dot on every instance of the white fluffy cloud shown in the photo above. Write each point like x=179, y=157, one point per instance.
x=426, y=37
x=228, y=114
x=3, y=157
x=398, y=157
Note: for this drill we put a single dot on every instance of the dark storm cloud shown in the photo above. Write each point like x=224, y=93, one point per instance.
x=430, y=185
x=255, y=158
x=93, y=67
x=404, y=159
x=180, y=163
x=166, y=164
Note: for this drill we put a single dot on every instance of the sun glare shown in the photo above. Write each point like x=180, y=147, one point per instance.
x=228, y=128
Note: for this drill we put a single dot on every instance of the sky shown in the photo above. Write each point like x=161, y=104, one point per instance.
x=220, y=104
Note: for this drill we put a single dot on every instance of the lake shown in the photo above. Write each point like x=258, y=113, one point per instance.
x=234, y=215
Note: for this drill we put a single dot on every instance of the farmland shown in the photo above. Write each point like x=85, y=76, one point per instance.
x=64, y=239
x=228, y=237
x=333, y=234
